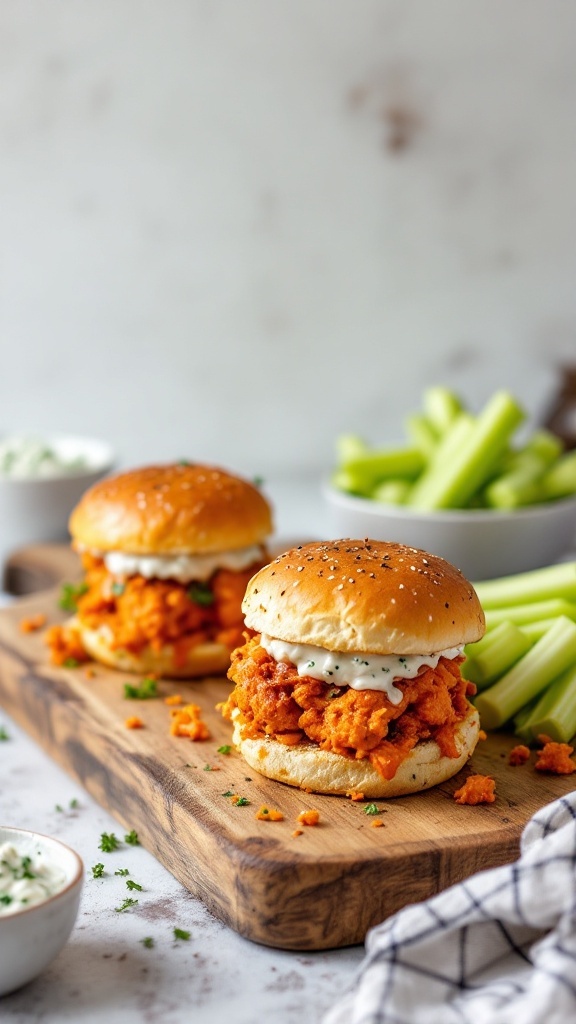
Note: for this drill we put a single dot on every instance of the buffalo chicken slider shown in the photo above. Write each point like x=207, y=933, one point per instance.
x=167, y=552
x=351, y=682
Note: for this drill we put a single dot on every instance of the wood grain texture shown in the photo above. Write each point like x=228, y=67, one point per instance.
x=322, y=889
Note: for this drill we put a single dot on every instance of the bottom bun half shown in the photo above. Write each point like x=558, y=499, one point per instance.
x=203, y=660
x=322, y=771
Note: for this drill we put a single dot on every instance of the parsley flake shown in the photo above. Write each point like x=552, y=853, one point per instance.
x=228, y=793
x=70, y=663
x=3, y=733
x=122, y=872
x=126, y=905
x=132, y=838
x=98, y=871
x=108, y=842
x=179, y=933
x=69, y=595
x=225, y=749
x=242, y=801
x=133, y=885
x=371, y=809
x=148, y=688
x=148, y=942
x=200, y=593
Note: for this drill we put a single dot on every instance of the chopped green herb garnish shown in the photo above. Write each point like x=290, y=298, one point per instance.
x=258, y=481
x=6, y=899
x=148, y=942
x=74, y=804
x=132, y=838
x=122, y=872
x=59, y=808
x=70, y=663
x=108, y=842
x=371, y=809
x=98, y=871
x=148, y=688
x=228, y=793
x=126, y=905
x=69, y=595
x=118, y=588
x=184, y=462
x=133, y=885
x=179, y=933
x=201, y=593
x=225, y=749
x=3, y=733
x=242, y=801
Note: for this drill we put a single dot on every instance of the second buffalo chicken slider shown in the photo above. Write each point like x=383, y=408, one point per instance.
x=350, y=681
x=167, y=551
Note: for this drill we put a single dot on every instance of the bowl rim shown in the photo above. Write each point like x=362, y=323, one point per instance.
x=370, y=505
x=75, y=880
x=102, y=464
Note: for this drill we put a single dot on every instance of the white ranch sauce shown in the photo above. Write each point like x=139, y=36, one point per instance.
x=359, y=671
x=29, y=457
x=26, y=880
x=183, y=568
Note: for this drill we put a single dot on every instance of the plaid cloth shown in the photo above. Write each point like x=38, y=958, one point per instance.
x=499, y=948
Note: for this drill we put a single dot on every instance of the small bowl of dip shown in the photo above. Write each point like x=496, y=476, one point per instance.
x=41, y=481
x=40, y=887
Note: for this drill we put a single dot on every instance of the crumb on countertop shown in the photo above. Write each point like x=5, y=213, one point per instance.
x=187, y=721
x=519, y=755
x=555, y=758
x=311, y=817
x=32, y=623
x=477, y=789
x=269, y=814
x=134, y=722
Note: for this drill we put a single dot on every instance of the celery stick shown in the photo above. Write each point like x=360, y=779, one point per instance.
x=534, y=630
x=521, y=484
x=391, y=492
x=494, y=654
x=536, y=585
x=446, y=452
x=549, y=656
x=555, y=712
x=344, y=480
x=525, y=613
x=560, y=480
x=441, y=407
x=545, y=444
x=451, y=484
x=422, y=434
x=378, y=464
x=521, y=720
x=350, y=446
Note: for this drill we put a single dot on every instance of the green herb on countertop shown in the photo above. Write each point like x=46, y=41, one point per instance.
x=148, y=689
x=225, y=749
x=133, y=885
x=3, y=733
x=371, y=809
x=98, y=871
x=148, y=942
x=126, y=905
x=132, y=838
x=122, y=872
x=179, y=933
x=70, y=663
x=108, y=842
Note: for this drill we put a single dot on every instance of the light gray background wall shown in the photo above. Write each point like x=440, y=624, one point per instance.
x=230, y=229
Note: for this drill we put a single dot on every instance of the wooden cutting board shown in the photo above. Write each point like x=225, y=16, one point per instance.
x=321, y=889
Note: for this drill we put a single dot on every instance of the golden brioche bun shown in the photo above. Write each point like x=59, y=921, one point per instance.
x=366, y=596
x=205, y=659
x=171, y=509
x=322, y=771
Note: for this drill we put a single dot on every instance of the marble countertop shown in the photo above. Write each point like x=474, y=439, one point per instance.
x=105, y=973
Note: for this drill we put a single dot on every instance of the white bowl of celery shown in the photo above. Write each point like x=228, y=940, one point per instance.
x=462, y=487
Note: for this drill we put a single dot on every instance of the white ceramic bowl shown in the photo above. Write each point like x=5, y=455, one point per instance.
x=36, y=509
x=483, y=543
x=31, y=938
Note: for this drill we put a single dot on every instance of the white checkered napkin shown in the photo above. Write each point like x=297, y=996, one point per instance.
x=499, y=948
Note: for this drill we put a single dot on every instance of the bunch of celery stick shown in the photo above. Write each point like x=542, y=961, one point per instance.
x=454, y=459
x=524, y=667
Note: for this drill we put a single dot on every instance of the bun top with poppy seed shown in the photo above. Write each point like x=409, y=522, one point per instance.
x=368, y=596
x=183, y=508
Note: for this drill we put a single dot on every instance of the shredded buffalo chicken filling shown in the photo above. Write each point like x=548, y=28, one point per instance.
x=275, y=701
x=141, y=612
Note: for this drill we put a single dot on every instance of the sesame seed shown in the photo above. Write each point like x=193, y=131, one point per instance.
x=340, y=586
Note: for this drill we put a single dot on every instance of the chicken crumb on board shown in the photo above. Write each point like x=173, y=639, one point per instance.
x=134, y=722
x=519, y=755
x=311, y=817
x=31, y=624
x=269, y=814
x=477, y=789
x=173, y=699
x=187, y=721
x=555, y=758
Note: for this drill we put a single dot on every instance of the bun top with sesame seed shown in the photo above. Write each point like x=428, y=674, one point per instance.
x=182, y=508
x=369, y=596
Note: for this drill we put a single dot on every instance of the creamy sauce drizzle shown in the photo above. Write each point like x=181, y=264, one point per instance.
x=26, y=880
x=359, y=671
x=183, y=568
